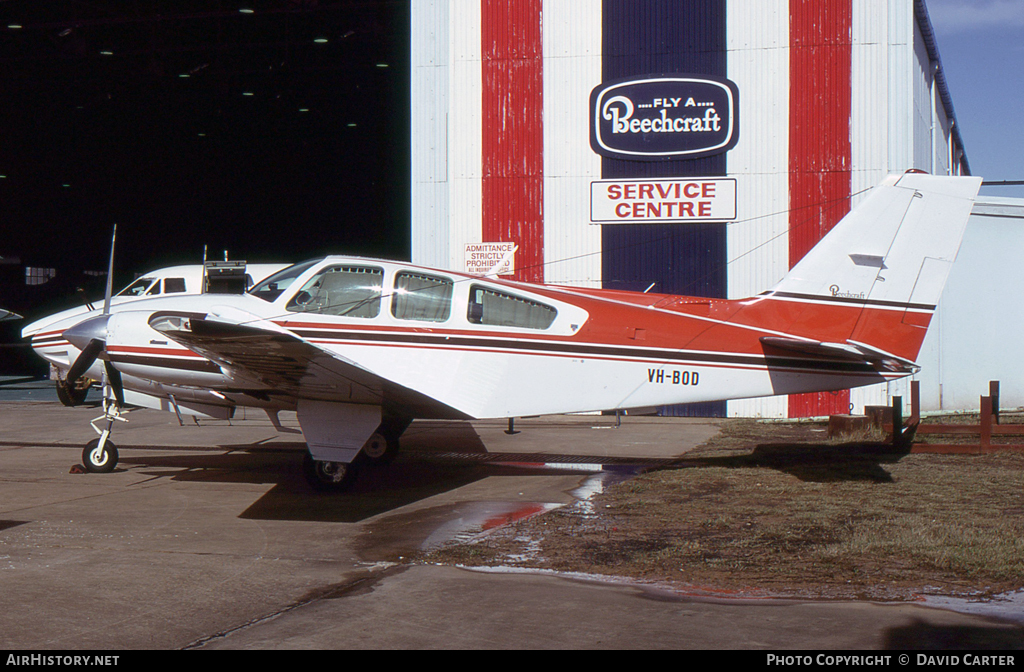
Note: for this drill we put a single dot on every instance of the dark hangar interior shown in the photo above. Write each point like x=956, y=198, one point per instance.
x=275, y=130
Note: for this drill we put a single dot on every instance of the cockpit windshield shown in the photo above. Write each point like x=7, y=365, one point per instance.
x=272, y=287
x=138, y=288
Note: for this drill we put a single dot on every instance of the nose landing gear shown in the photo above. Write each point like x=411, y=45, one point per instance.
x=100, y=455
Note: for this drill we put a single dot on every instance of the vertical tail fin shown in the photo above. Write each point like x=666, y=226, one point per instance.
x=890, y=256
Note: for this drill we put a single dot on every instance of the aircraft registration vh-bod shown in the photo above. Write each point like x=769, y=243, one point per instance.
x=361, y=347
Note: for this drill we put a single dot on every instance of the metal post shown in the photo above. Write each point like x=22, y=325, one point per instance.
x=986, y=422
x=993, y=392
x=897, y=420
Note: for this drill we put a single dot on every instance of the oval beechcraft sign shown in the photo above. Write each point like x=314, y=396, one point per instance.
x=660, y=117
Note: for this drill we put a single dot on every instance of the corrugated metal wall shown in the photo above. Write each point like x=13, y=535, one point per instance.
x=513, y=130
x=572, y=68
x=430, y=231
x=882, y=50
x=834, y=94
x=819, y=144
x=758, y=241
x=465, y=134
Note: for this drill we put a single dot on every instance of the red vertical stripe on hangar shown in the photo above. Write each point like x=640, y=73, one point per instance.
x=819, y=143
x=513, y=130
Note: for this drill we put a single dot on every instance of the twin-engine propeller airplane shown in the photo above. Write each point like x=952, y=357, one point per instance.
x=360, y=347
x=232, y=277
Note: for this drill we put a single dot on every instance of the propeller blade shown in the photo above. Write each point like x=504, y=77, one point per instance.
x=82, y=363
x=110, y=274
x=89, y=336
x=114, y=380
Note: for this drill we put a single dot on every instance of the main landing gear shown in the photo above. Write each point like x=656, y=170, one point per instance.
x=378, y=451
x=328, y=476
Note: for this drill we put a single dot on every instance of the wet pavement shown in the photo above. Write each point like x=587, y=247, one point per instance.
x=208, y=537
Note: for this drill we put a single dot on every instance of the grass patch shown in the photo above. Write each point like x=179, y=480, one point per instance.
x=779, y=508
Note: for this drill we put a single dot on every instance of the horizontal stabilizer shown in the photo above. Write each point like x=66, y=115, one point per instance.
x=849, y=351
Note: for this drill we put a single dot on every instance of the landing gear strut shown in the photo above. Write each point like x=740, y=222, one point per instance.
x=100, y=455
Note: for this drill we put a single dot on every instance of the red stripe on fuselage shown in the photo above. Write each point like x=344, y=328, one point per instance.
x=723, y=326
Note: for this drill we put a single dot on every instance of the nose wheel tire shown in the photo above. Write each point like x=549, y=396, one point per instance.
x=99, y=461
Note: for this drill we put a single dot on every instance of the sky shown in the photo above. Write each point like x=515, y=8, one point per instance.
x=981, y=45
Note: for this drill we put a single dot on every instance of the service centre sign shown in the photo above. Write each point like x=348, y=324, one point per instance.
x=670, y=200
x=662, y=117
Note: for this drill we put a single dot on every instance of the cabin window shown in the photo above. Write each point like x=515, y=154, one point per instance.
x=137, y=288
x=351, y=291
x=274, y=286
x=154, y=290
x=422, y=297
x=490, y=307
x=174, y=285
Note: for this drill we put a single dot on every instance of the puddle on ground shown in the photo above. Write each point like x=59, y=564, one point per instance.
x=395, y=537
x=1006, y=607
x=481, y=517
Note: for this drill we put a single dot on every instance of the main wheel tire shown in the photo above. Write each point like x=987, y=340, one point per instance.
x=382, y=448
x=379, y=450
x=99, y=463
x=328, y=476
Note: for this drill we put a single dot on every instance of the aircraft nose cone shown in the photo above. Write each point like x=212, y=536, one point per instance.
x=95, y=328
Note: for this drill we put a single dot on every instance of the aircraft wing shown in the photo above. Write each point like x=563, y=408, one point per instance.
x=851, y=351
x=8, y=315
x=278, y=363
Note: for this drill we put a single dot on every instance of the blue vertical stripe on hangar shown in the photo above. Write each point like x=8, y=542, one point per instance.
x=642, y=37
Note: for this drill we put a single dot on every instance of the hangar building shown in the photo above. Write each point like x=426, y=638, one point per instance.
x=695, y=147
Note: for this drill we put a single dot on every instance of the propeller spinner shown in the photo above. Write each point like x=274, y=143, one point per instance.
x=90, y=336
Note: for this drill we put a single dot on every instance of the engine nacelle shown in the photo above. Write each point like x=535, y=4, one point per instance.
x=136, y=349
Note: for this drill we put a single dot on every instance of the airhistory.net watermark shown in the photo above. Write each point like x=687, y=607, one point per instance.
x=54, y=660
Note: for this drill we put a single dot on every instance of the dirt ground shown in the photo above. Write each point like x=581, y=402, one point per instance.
x=771, y=508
